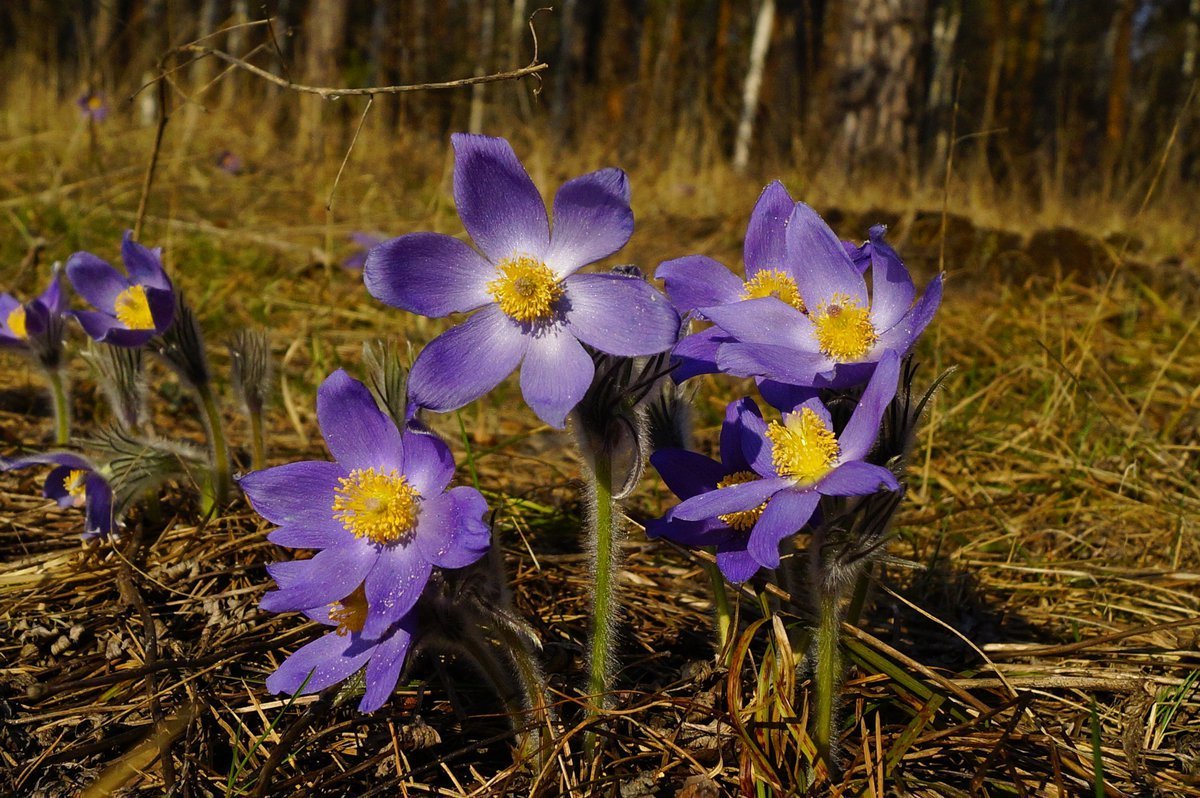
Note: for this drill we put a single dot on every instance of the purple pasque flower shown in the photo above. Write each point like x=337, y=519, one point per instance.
x=364, y=243
x=229, y=162
x=129, y=311
x=533, y=308
x=74, y=482
x=380, y=514
x=835, y=339
x=93, y=106
x=793, y=463
x=22, y=324
x=340, y=653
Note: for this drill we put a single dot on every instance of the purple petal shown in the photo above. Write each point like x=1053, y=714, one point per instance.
x=53, y=299
x=787, y=513
x=822, y=267
x=144, y=265
x=697, y=281
x=780, y=363
x=55, y=486
x=697, y=534
x=429, y=274
x=497, y=202
x=452, y=532
x=69, y=459
x=297, y=495
x=857, y=478
x=320, y=664
x=697, y=353
x=687, y=474
x=766, y=320
x=162, y=308
x=859, y=254
x=95, y=280
x=736, y=563
x=783, y=396
x=105, y=328
x=733, y=458
x=620, y=315
x=892, y=288
x=555, y=374
x=901, y=337
x=753, y=441
x=765, y=246
x=98, y=518
x=862, y=429
x=592, y=220
x=393, y=587
x=733, y=499
x=467, y=361
x=383, y=671
x=357, y=432
x=330, y=576
x=428, y=463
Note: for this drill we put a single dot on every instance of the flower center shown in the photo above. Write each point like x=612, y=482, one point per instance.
x=350, y=613
x=16, y=322
x=525, y=289
x=378, y=505
x=94, y=103
x=776, y=283
x=75, y=484
x=802, y=447
x=133, y=310
x=743, y=520
x=844, y=329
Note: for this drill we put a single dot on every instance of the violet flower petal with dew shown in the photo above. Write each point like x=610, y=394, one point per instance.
x=129, y=311
x=531, y=308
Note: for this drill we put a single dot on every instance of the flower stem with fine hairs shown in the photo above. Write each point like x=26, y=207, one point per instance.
x=723, y=616
x=62, y=408
x=827, y=674
x=258, y=457
x=221, y=479
x=605, y=539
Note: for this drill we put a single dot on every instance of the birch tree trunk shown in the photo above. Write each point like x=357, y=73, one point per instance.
x=939, y=106
x=753, y=85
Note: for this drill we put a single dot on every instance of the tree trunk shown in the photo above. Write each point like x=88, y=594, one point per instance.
x=753, y=84
x=487, y=30
x=325, y=36
x=1118, y=92
x=940, y=103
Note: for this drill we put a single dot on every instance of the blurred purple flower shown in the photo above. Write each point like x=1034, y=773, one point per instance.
x=790, y=465
x=129, y=311
x=364, y=242
x=839, y=335
x=93, y=105
x=229, y=162
x=380, y=514
x=533, y=308
x=74, y=482
x=22, y=324
x=342, y=652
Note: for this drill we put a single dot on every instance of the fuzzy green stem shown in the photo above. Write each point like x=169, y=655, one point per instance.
x=604, y=541
x=258, y=457
x=62, y=408
x=828, y=676
x=723, y=616
x=221, y=481
x=859, y=599
x=533, y=686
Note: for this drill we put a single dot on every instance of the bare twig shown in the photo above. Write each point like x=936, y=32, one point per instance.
x=362, y=119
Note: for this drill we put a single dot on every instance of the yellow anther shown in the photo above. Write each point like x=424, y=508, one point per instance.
x=95, y=103
x=133, y=310
x=776, y=283
x=378, y=505
x=742, y=520
x=350, y=613
x=75, y=484
x=844, y=329
x=525, y=289
x=16, y=322
x=802, y=447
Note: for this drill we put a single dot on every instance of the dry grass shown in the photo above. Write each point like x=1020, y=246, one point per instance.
x=1052, y=517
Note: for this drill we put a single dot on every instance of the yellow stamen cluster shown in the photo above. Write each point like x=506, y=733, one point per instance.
x=75, y=484
x=844, y=329
x=133, y=310
x=16, y=322
x=378, y=505
x=350, y=613
x=743, y=520
x=802, y=447
x=525, y=289
x=776, y=283
x=95, y=103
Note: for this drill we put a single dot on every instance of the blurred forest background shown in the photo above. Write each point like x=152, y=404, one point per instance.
x=1047, y=98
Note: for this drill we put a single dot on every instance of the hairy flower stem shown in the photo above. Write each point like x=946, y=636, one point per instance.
x=827, y=675
x=723, y=616
x=258, y=456
x=604, y=536
x=533, y=687
x=220, y=481
x=62, y=408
